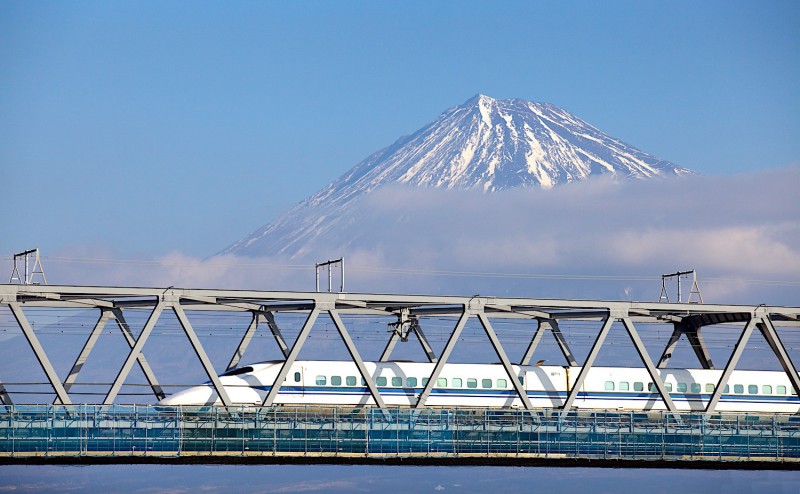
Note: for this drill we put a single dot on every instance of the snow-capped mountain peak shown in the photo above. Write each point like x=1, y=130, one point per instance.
x=485, y=144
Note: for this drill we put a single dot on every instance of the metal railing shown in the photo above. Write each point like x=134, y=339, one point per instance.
x=97, y=430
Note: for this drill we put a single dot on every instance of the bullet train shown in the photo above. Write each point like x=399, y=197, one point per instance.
x=488, y=386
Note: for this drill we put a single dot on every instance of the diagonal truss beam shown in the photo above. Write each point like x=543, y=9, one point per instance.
x=276, y=332
x=695, y=340
x=774, y=342
x=732, y=361
x=423, y=341
x=498, y=348
x=543, y=326
x=598, y=343
x=397, y=335
x=670, y=346
x=537, y=337
x=133, y=356
x=125, y=328
x=201, y=354
x=5, y=398
x=87, y=349
x=80, y=361
x=41, y=356
x=258, y=316
x=389, y=348
x=700, y=348
x=437, y=369
x=293, y=353
x=245, y=342
x=351, y=349
x=648, y=363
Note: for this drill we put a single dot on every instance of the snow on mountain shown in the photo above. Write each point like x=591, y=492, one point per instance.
x=483, y=144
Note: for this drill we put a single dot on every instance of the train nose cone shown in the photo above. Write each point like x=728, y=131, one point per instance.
x=198, y=395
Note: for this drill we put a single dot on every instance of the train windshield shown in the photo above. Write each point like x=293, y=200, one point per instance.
x=240, y=370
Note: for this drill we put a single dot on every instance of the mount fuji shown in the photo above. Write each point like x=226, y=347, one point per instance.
x=484, y=144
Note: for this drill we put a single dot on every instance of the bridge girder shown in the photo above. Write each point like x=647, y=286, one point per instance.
x=112, y=302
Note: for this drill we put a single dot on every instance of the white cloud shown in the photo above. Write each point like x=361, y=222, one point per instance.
x=733, y=230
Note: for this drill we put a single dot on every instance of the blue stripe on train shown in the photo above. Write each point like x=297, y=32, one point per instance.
x=505, y=394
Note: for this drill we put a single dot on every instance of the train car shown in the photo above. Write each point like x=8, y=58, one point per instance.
x=488, y=386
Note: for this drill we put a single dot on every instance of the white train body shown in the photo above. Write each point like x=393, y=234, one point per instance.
x=488, y=386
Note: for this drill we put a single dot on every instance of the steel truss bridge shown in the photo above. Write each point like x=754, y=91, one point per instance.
x=111, y=304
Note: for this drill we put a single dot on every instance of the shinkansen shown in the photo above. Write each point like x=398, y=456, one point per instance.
x=485, y=385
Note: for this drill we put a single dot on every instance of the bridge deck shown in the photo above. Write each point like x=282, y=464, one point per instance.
x=53, y=432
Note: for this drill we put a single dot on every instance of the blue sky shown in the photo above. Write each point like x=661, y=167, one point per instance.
x=141, y=128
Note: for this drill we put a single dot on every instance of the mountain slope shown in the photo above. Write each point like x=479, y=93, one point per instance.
x=484, y=144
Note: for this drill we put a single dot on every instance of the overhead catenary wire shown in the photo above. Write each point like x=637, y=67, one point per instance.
x=238, y=264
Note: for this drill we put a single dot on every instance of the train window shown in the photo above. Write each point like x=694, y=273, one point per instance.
x=442, y=382
x=638, y=386
x=781, y=390
x=424, y=381
x=350, y=380
x=502, y=383
x=457, y=382
x=297, y=377
x=624, y=386
x=522, y=380
x=696, y=387
x=752, y=389
x=652, y=387
x=486, y=383
x=766, y=389
x=381, y=381
x=411, y=382
x=738, y=388
x=681, y=387
x=321, y=380
x=397, y=381
x=710, y=388
x=727, y=388
x=336, y=380
x=363, y=382
x=669, y=387
x=472, y=383
x=609, y=385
